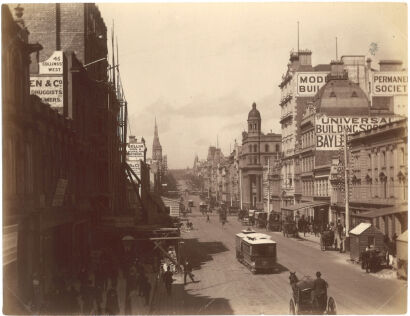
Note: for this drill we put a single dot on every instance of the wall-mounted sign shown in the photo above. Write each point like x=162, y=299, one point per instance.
x=48, y=89
x=52, y=66
x=329, y=130
x=135, y=151
x=135, y=165
x=389, y=83
x=309, y=83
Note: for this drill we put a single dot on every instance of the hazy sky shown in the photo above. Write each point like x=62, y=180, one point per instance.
x=199, y=67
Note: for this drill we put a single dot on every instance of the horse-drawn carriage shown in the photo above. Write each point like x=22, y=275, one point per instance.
x=304, y=301
x=261, y=219
x=327, y=239
x=274, y=222
x=373, y=259
x=289, y=228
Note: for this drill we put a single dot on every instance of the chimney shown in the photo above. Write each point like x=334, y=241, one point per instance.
x=305, y=57
x=337, y=69
x=369, y=63
x=390, y=65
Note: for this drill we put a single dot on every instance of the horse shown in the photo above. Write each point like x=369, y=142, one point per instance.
x=293, y=279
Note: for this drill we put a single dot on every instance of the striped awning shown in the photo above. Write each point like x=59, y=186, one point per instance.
x=304, y=205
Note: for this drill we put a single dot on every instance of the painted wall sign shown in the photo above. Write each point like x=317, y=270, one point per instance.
x=329, y=130
x=52, y=66
x=48, y=89
x=309, y=83
x=389, y=83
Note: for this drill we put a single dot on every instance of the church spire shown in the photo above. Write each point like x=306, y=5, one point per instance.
x=156, y=146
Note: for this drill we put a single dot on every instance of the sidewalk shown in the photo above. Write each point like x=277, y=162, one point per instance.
x=160, y=302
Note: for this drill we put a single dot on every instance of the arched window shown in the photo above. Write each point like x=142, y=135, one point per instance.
x=250, y=126
x=384, y=158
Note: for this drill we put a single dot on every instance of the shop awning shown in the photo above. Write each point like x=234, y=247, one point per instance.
x=377, y=212
x=304, y=205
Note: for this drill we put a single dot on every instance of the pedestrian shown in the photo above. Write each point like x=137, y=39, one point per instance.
x=188, y=271
x=111, y=306
x=88, y=297
x=146, y=289
x=207, y=218
x=99, y=283
x=168, y=279
x=320, y=292
x=130, y=287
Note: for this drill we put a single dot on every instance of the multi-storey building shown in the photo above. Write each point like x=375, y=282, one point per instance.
x=378, y=191
x=298, y=86
x=68, y=159
x=258, y=150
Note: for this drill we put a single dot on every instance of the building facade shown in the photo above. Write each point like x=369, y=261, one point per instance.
x=378, y=191
x=258, y=150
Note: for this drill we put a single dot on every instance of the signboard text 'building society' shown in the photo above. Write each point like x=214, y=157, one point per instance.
x=330, y=130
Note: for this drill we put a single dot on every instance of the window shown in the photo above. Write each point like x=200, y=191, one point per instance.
x=277, y=148
x=255, y=148
x=384, y=158
x=250, y=148
x=267, y=147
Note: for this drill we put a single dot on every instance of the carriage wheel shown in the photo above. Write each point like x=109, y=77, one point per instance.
x=292, y=309
x=331, y=306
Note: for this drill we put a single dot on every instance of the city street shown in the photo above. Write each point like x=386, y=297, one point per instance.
x=228, y=287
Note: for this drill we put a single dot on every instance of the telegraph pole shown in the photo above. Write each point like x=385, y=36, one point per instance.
x=346, y=186
x=268, y=188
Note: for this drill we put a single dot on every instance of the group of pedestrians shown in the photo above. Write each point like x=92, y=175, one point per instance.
x=137, y=284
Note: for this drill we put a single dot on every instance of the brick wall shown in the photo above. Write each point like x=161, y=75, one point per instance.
x=40, y=20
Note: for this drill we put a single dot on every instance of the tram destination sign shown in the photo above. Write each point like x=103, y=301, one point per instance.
x=329, y=130
x=389, y=83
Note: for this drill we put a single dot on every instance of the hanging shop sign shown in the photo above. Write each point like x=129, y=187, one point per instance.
x=309, y=83
x=389, y=83
x=329, y=130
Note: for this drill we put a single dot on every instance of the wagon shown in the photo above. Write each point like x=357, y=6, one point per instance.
x=289, y=228
x=327, y=239
x=303, y=302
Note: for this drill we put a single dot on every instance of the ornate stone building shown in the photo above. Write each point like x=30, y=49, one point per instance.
x=257, y=150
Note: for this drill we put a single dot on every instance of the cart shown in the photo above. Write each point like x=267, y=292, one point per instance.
x=327, y=239
x=303, y=302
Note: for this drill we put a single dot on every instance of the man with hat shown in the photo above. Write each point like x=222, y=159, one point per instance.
x=320, y=292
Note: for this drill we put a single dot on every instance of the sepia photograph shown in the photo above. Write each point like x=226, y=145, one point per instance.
x=204, y=158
